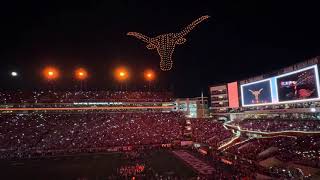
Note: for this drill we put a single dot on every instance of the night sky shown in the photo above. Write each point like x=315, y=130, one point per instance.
x=240, y=40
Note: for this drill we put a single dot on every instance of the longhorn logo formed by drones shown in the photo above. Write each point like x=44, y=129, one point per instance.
x=165, y=43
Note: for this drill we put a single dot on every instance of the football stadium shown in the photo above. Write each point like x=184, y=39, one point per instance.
x=264, y=127
x=159, y=90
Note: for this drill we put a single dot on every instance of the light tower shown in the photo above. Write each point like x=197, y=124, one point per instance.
x=122, y=75
x=149, y=76
x=81, y=75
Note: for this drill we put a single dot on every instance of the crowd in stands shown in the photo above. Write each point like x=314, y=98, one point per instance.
x=49, y=96
x=300, y=148
x=295, y=151
x=22, y=135
x=209, y=131
x=277, y=124
x=253, y=148
x=39, y=134
x=305, y=150
x=246, y=153
x=289, y=106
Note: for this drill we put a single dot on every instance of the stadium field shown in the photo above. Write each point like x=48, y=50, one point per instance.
x=97, y=166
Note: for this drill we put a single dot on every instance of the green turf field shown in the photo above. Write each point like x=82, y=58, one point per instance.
x=102, y=166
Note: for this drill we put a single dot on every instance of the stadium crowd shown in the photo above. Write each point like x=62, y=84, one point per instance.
x=23, y=135
x=276, y=124
x=50, y=96
x=277, y=157
x=209, y=131
x=305, y=150
x=252, y=148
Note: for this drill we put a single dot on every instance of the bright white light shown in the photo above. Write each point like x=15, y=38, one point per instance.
x=14, y=74
x=313, y=109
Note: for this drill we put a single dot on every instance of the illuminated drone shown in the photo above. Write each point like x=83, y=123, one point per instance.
x=165, y=43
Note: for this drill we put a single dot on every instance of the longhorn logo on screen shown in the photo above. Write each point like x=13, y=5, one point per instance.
x=256, y=94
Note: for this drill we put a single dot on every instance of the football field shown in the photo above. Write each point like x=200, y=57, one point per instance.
x=96, y=166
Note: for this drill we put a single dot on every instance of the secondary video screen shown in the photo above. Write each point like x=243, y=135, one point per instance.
x=297, y=86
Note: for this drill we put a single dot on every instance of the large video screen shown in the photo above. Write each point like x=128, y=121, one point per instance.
x=301, y=85
x=256, y=93
x=297, y=86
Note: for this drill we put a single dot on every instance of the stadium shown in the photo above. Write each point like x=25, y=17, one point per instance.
x=159, y=90
x=263, y=127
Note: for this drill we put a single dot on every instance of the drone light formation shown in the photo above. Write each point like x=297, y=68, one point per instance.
x=166, y=43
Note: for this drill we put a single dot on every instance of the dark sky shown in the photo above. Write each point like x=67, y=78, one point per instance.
x=241, y=39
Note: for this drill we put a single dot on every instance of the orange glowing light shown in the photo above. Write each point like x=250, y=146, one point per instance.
x=81, y=74
x=149, y=75
x=121, y=74
x=50, y=73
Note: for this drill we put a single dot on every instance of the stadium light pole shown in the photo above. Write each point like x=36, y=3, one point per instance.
x=122, y=75
x=81, y=74
x=51, y=74
x=149, y=76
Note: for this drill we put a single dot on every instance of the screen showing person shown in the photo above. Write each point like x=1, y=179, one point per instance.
x=297, y=86
x=256, y=93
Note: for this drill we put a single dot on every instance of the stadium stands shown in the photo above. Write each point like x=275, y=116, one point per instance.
x=49, y=96
x=278, y=124
x=41, y=134
x=25, y=134
x=209, y=131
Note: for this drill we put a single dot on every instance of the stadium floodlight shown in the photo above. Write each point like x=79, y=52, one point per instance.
x=14, y=74
x=149, y=75
x=81, y=74
x=50, y=73
x=121, y=74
